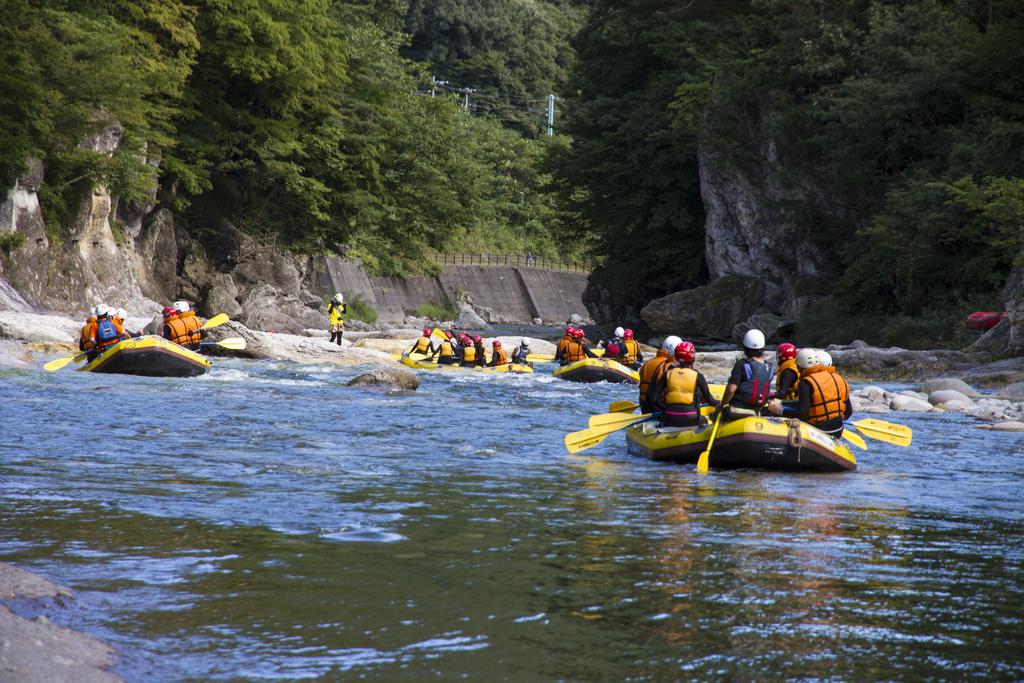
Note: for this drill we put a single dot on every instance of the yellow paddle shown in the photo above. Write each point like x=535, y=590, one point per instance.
x=439, y=333
x=586, y=438
x=702, y=461
x=232, y=343
x=609, y=419
x=215, y=321
x=539, y=358
x=889, y=432
x=622, y=406
x=57, y=364
x=854, y=438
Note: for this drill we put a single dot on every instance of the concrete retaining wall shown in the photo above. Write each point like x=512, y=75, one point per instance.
x=514, y=294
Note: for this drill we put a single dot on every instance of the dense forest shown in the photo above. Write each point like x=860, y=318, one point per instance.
x=398, y=128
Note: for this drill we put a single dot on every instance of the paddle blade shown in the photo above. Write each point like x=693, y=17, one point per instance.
x=438, y=333
x=854, y=438
x=215, y=321
x=613, y=419
x=585, y=438
x=889, y=432
x=57, y=364
x=233, y=343
x=622, y=407
x=538, y=358
x=702, y=462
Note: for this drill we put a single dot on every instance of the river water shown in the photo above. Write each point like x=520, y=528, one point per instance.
x=267, y=523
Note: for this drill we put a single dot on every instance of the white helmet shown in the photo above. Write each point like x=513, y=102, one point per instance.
x=102, y=311
x=180, y=306
x=670, y=343
x=619, y=332
x=121, y=313
x=807, y=358
x=94, y=311
x=339, y=298
x=754, y=340
x=524, y=342
x=826, y=358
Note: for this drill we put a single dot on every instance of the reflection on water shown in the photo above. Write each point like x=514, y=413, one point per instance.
x=267, y=522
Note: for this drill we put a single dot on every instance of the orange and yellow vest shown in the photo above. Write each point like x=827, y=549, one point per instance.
x=422, y=345
x=788, y=365
x=650, y=371
x=468, y=355
x=499, y=357
x=184, y=328
x=829, y=393
x=632, y=347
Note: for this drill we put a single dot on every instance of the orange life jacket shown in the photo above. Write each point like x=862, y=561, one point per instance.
x=573, y=352
x=788, y=365
x=829, y=393
x=680, y=386
x=184, y=328
x=115, y=332
x=85, y=336
x=632, y=347
x=650, y=371
x=499, y=357
x=562, y=344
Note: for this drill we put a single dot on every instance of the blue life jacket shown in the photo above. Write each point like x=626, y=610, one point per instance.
x=105, y=332
x=754, y=389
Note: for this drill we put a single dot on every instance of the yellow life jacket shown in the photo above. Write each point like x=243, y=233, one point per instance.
x=447, y=351
x=680, y=386
x=788, y=365
x=468, y=355
x=650, y=371
x=632, y=347
x=336, y=313
x=422, y=345
x=829, y=393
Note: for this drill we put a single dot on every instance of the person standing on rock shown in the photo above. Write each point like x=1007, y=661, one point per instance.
x=336, y=317
x=787, y=378
x=652, y=370
x=184, y=327
x=681, y=391
x=823, y=395
x=750, y=382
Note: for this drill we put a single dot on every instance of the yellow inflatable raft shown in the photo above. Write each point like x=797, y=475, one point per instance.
x=597, y=370
x=759, y=442
x=150, y=356
x=420, y=363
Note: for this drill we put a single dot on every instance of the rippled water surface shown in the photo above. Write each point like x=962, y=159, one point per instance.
x=266, y=522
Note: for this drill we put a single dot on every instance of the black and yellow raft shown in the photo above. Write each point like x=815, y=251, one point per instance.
x=597, y=370
x=419, y=362
x=759, y=442
x=149, y=356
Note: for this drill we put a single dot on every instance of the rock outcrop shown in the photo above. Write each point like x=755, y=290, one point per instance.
x=706, y=312
x=1013, y=298
x=392, y=378
x=300, y=349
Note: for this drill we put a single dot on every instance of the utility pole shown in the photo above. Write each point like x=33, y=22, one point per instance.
x=551, y=115
x=433, y=85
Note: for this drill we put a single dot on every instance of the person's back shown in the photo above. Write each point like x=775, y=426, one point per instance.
x=184, y=327
x=84, y=343
x=423, y=345
x=446, y=352
x=750, y=381
x=787, y=377
x=824, y=395
x=631, y=354
x=521, y=353
x=468, y=354
x=681, y=391
x=499, y=356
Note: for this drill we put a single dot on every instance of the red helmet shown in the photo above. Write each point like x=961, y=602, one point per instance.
x=786, y=351
x=426, y=331
x=627, y=334
x=577, y=333
x=612, y=350
x=449, y=334
x=477, y=339
x=569, y=331
x=168, y=311
x=464, y=338
x=496, y=344
x=685, y=352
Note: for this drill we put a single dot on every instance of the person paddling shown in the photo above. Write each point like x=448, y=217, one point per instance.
x=423, y=346
x=336, y=317
x=652, y=370
x=445, y=351
x=823, y=397
x=499, y=356
x=103, y=333
x=521, y=353
x=751, y=379
x=84, y=334
x=681, y=391
x=184, y=327
x=574, y=350
x=631, y=354
x=787, y=378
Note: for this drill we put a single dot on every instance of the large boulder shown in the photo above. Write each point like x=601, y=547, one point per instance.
x=1012, y=392
x=711, y=311
x=948, y=395
x=265, y=308
x=895, y=363
x=271, y=346
x=221, y=296
x=997, y=373
x=954, y=383
x=469, y=320
x=775, y=327
x=393, y=378
x=910, y=404
x=1013, y=299
x=36, y=327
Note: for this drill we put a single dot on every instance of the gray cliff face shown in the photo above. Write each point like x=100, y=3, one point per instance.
x=133, y=256
x=748, y=232
x=1013, y=297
